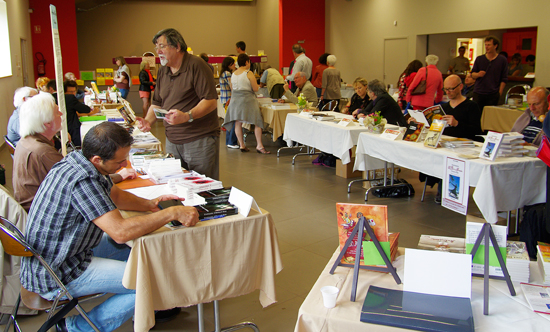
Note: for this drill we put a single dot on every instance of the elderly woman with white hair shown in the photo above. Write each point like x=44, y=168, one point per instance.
x=330, y=90
x=20, y=95
x=434, y=85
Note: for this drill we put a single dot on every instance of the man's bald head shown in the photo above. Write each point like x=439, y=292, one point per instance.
x=537, y=98
x=453, y=87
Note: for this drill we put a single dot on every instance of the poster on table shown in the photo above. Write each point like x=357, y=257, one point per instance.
x=456, y=180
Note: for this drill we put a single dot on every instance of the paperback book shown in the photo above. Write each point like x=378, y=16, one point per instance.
x=434, y=113
x=538, y=297
x=413, y=132
x=489, y=150
x=417, y=311
x=347, y=218
x=473, y=230
x=434, y=134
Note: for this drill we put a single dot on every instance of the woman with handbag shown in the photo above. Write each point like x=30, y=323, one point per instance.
x=427, y=87
x=405, y=81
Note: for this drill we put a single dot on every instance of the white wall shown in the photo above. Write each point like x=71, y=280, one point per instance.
x=355, y=30
x=19, y=28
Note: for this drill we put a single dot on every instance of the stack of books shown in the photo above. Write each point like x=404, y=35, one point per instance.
x=196, y=184
x=442, y=243
x=511, y=145
x=394, y=245
x=142, y=159
x=517, y=261
x=213, y=211
x=517, y=258
x=543, y=260
x=216, y=196
x=456, y=143
x=162, y=170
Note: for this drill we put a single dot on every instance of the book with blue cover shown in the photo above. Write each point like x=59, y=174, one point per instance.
x=417, y=311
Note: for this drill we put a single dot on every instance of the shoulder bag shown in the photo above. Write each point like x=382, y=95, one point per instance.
x=421, y=87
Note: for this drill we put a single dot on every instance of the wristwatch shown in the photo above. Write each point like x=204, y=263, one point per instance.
x=190, y=116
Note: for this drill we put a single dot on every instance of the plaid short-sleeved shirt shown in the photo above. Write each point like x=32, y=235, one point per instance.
x=59, y=225
x=225, y=88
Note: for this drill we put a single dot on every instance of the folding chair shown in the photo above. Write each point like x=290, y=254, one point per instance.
x=14, y=244
x=330, y=106
x=11, y=146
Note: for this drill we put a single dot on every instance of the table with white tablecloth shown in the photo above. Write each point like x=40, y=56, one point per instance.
x=214, y=260
x=505, y=184
x=326, y=136
x=506, y=312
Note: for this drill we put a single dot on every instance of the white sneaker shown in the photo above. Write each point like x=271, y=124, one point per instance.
x=233, y=146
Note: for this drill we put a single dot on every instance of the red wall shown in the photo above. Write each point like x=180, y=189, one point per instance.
x=42, y=41
x=301, y=20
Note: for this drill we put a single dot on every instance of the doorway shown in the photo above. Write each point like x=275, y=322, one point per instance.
x=396, y=58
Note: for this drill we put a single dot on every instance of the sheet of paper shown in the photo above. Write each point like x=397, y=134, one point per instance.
x=163, y=189
x=456, y=185
x=243, y=201
x=438, y=273
x=419, y=117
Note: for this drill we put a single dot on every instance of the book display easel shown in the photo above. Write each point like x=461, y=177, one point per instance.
x=487, y=233
x=358, y=231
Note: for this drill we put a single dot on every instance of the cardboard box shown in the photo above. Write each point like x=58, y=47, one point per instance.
x=346, y=171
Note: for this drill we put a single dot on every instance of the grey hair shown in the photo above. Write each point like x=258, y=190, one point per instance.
x=432, y=59
x=376, y=87
x=300, y=74
x=331, y=60
x=297, y=48
x=20, y=95
x=173, y=38
x=34, y=113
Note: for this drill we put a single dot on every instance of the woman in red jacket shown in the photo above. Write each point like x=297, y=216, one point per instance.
x=434, y=85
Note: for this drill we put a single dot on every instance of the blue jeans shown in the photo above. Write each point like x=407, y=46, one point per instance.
x=124, y=93
x=103, y=275
x=230, y=137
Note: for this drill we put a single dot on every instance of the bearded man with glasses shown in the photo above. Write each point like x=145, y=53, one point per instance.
x=186, y=89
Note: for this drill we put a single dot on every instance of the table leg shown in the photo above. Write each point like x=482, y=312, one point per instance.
x=200, y=315
x=310, y=152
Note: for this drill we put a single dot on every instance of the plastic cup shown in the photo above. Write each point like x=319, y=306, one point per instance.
x=330, y=293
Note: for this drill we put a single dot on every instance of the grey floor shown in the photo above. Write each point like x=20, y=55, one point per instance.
x=302, y=200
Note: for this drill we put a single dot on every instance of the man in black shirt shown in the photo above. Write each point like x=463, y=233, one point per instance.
x=463, y=115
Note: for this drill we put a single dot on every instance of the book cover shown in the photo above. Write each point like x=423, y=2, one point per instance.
x=434, y=113
x=434, y=133
x=413, y=132
x=489, y=150
x=417, y=311
x=472, y=232
x=212, y=210
x=216, y=195
x=442, y=243
x=538, y=297
x=377, y=219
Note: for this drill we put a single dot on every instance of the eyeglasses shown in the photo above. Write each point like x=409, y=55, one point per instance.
x=451, y=89
x=161, y=47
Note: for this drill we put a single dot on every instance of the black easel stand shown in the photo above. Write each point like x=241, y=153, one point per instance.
x=358, y=230
x=487, y=233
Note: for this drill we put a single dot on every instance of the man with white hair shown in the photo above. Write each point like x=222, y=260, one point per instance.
x=304, y=86
x=35, y=154
x=303, y=63
x=434, y=85
x=20, y=95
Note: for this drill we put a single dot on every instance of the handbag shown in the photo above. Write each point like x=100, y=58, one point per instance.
x=420, y=89
x=543, y=152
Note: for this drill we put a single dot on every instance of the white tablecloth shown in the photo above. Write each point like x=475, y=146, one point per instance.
x=502, y=185
x=506, y=313
x=326, y=136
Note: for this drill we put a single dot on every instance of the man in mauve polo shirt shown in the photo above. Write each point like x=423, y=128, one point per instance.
x=185, y=89
x=491, y=74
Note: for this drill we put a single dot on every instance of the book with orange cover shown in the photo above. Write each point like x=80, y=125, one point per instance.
x=377, y=219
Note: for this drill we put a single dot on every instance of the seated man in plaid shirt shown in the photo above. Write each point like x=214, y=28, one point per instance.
x=74, y=210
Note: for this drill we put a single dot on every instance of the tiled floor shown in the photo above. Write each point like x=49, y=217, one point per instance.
x=302, y=200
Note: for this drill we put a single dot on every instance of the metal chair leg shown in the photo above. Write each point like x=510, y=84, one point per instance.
x=424, y=191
